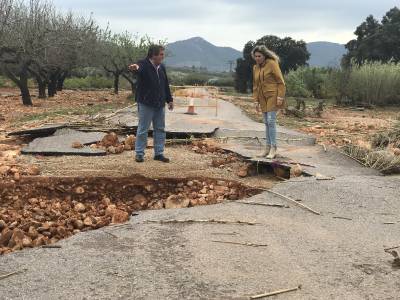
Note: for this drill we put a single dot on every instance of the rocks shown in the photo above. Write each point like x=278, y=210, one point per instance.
x=88, y=221
x=112, y=150
x=176, y=201
x=79, y=207
x=140, y=200
x=112, y=145
x=3, y=225
x=110, y=139
x=296, y=171
x=129, y=143
x=77, y=145
x=45, y=210
x=5, y=237
x=78, y=224
x=243, y=171
x=79, y=190
x=396, y=151
x=33, y=171
x=4, y=170
x=16, y=239
x=119, y=216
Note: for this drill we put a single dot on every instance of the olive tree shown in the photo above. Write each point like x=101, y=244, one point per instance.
x=118, y=52
x=39, y=42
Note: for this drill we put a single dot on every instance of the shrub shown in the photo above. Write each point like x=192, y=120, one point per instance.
x=295, y=85
x=309, y=82
x=88, y=83
x=222, y=82
x=196, y=79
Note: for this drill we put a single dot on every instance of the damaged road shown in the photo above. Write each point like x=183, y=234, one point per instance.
x=338, y=254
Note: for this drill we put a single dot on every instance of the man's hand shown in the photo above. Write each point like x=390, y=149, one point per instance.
x=258, y=107
x=133, y=67
x=171, y=106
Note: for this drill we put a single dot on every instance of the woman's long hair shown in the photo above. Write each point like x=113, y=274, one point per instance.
x=268, y=54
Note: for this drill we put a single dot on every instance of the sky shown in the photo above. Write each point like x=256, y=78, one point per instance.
x=232, y=22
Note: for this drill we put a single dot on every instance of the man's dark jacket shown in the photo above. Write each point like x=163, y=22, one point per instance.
x=152, y=89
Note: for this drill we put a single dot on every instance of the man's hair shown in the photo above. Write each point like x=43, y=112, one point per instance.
x=154, y=50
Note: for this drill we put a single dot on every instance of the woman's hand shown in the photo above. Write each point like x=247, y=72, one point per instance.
x=280, y=101
x=258, y=107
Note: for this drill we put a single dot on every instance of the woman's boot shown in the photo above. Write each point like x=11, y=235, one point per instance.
x=265, y=152
x=272, y=153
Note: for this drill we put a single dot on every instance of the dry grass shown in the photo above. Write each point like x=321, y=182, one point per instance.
x=381, y=160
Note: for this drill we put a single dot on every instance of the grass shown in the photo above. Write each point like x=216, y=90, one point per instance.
x=90, y=82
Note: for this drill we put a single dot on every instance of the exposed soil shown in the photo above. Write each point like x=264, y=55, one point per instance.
x=39, y=211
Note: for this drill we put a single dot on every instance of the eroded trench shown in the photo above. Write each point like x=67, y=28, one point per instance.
x=40, y=211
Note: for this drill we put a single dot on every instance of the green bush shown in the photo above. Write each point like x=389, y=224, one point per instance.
x=196, y=79
x=176, y=78
x=296, y=86
x=88, y=83
x=223, y=81
x=309, y=82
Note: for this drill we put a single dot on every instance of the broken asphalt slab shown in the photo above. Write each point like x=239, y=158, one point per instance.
x=39, y=131
x=61, y=144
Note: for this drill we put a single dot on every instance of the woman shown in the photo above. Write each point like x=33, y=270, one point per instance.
x=268, y=92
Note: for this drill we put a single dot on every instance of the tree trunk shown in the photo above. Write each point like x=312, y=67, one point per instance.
x=133, y=88
x=22, y=83
x=52, y=87
x=42, y=89
x=60, y=81
x=132, y=82
x=116, y=83
x=23, y=86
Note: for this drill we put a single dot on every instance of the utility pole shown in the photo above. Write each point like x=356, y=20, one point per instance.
x=231, y=63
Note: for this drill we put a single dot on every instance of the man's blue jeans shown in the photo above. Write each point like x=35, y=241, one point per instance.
x=147, y=115
x=270, y=124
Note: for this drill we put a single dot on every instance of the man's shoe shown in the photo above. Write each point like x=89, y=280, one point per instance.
x=139, y=159
x=161, y=158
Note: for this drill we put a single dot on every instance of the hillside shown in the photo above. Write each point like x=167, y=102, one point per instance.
x=325, y=54
x=200, y=53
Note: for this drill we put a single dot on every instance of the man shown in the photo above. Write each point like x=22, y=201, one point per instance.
x=152, y=94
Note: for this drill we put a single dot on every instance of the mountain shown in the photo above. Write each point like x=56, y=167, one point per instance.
x=200, y=53
x=325, y=54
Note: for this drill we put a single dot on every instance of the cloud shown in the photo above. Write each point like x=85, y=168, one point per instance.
x=232, y=22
